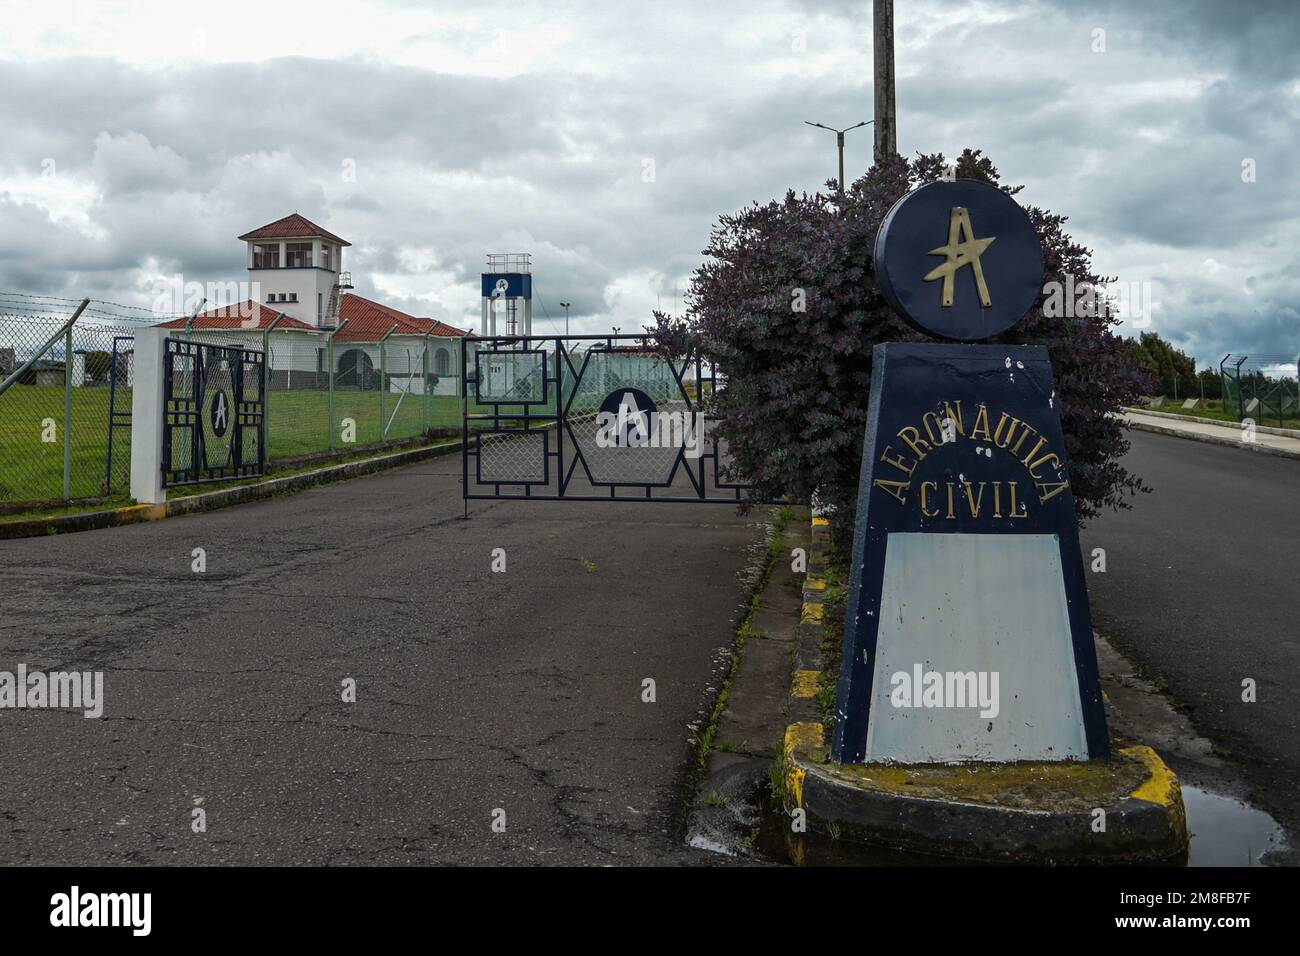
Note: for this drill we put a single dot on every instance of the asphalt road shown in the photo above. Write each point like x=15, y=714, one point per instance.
x=1202, y=589
x=476, y=691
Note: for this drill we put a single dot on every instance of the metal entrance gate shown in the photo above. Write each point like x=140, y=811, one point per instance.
x=589, y=418
x=118, y=467
x=213, y=428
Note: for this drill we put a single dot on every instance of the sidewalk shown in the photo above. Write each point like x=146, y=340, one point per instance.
x=1216, y=434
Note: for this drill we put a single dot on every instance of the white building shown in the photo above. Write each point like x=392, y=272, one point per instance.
x=298, y=268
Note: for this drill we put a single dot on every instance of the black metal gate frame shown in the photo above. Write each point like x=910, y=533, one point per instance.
x=183, y=413
x=558, y=422
x=117, y=418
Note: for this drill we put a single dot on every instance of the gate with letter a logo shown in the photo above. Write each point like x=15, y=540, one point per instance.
x=590, y=418
x=213, y=423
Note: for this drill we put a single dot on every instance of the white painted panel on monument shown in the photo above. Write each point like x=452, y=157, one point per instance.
x=974, y=660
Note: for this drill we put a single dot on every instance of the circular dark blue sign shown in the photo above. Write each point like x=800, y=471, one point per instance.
x=628, y=411
x=959, y=260
x=219, y=413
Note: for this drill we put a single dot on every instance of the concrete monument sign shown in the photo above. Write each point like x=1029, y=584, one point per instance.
x=968, y=635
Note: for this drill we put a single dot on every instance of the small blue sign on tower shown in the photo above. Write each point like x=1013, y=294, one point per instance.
x=510, y=285
x=968, y=635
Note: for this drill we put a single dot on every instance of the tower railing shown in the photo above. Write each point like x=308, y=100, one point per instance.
x=508, y=262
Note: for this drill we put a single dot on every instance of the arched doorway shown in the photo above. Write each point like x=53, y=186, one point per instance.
x=356, y=370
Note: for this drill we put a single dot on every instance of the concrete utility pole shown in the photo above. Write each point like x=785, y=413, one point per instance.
x=883, y=55
x=565, y=307
x=839, y=140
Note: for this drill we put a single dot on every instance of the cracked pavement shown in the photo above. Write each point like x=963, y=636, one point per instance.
x=475, y=691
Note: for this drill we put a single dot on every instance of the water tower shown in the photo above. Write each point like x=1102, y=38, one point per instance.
x=507, y=283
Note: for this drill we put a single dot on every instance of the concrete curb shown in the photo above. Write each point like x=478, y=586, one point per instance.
x=85, y=521
x=1212, y=439
x=1144, y=818
x=1266, y=429
x=1007, y=812
x=808, y=665
x=212, y=500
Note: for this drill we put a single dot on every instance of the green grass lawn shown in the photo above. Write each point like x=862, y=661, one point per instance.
x=1213, y=408
x=299, y=424
x=31, y=468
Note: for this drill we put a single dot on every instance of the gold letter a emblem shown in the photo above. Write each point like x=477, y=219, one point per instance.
x=963, y=249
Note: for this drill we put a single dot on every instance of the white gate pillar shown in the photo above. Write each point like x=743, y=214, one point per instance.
x=148, y=415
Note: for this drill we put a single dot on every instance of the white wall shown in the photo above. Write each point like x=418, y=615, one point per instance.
x=308, y=283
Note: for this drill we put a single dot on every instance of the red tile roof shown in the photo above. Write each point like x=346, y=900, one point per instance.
x=367, y=321
x=245, y=315
x=370, y=321
x=293, y=226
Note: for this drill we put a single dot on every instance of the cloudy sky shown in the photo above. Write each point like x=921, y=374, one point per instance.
x=140, y=138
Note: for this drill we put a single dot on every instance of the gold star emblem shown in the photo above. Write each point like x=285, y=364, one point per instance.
x=963, y=249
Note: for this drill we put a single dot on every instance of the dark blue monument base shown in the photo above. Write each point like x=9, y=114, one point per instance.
x=965, y=440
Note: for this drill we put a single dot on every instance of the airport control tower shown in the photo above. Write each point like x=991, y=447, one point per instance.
x=507, y=283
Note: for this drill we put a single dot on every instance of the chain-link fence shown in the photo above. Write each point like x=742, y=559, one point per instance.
x=65, y=369
x=1205, y=386
x=330, y=392
x=1265, y=390
x=67, y=373
x=1262, y=388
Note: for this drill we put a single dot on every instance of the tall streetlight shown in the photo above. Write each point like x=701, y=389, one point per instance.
x=839, y=141
x=565, y=307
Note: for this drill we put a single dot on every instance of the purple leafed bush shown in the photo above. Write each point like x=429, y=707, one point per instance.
x=788, y=307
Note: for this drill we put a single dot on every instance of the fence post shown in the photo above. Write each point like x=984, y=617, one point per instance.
x=426, y=390
x=383, y=384
x=189, y=323
x=67, y=414
x=332, y=421
x=1241, y=396
x=148, y=416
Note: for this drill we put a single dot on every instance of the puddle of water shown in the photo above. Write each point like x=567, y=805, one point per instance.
x=1224, y=832
x=1227, y=832
x=701, y=842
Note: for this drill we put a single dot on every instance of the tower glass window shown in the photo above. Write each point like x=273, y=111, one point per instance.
x=266, y=257
x=299, y=254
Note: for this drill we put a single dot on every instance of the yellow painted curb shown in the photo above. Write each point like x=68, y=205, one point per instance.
x=805, y=684
x=1161, y=786
x=799, y=737
x=815, y=584
x=132, y=513
x=812, y=614
x=820, y=523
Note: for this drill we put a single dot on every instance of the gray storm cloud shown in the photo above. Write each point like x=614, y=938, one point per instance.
x=114, y=171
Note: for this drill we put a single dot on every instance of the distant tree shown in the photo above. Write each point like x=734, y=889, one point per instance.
x=1174, y=369
x=788, y=307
